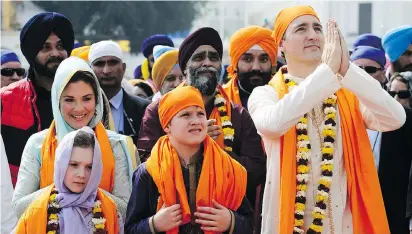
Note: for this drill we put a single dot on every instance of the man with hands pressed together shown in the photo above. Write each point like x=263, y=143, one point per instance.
x=188, y=184
x=312, y=118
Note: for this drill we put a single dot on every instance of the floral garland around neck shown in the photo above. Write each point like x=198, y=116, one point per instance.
x=53, y=209
x=227, y=127
x=302, y=163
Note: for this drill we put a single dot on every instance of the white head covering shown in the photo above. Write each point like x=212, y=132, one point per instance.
x=64, y=73
x=104, y=48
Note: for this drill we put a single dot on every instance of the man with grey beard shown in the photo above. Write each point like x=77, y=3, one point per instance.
x=230, y=125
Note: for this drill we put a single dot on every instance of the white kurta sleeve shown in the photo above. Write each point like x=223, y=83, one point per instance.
x=379, y=110
x=28, y=180
x=8, y=218
x=121, y=190
x=274, y=117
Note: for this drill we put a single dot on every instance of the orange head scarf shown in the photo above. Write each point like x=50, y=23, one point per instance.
x=286, y=16
x=243, y=40
x=177, y=100
x=162, y=66
x=81, y=52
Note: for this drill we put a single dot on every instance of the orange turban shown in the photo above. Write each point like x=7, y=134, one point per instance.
x=163, y=65
x=286, y=16
x=82, y=52
x=177, y=100
x=247, y=37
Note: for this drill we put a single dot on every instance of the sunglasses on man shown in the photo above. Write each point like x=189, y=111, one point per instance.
x=371, y=69
x=11, y=71
x=402, y=94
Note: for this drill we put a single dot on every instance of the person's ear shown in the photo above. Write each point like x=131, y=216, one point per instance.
x=281, y=48
x=167, y=128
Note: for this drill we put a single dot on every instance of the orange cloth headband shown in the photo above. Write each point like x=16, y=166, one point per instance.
x=286, y=16
x=247, y=37
x=176, y=100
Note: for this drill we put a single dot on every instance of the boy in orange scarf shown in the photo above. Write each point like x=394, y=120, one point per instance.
x=312, y=118
x=188, y=184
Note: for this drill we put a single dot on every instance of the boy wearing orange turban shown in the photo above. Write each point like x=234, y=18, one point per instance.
x=189, y=184
x=312, y=118
x=253, y=54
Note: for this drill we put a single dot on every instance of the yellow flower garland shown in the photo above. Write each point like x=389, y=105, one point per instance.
x=53, y=218
x=303, y=156
x=227, y=127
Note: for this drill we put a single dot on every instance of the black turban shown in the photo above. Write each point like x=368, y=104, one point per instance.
x=202, y=36
x=36, y=31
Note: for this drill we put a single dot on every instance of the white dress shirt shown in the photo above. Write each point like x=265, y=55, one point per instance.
x=116, y=107
x=375, y=138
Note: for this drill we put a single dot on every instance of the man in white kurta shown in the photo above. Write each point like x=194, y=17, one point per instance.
x=316, y=81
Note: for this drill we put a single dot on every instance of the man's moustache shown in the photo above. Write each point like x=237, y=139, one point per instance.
x=261, y=74
x=54, y=60
x=205, y=69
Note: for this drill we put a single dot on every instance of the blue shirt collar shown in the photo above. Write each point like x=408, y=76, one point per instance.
x=117, y=99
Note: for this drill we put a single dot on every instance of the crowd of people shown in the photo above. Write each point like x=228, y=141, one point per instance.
x=318, y=143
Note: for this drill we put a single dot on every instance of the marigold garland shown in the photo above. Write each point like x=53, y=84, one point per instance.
x=53, y=209
x=227, y=127
x=302, y=159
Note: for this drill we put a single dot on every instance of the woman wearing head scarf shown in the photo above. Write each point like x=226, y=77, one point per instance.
x=188, y=184
x=73, y=203
x=77, y=102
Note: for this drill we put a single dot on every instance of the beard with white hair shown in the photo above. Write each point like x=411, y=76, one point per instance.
x=205, y=79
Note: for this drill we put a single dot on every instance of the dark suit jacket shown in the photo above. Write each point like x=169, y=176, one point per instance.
x=134, y=108
x=394, y=169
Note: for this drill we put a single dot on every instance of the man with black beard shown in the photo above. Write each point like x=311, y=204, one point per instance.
x=45, y=40
x=230, y=125
x=398, y=46
x=253, y=55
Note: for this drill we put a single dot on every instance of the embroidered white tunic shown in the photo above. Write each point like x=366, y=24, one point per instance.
x=274, y=117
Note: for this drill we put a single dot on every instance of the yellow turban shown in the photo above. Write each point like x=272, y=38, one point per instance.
x=176, y=100
x=145, y=69
x=286, y=16
x=81, y=52
x=247, y=37
x=163, y=65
